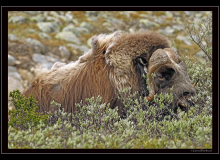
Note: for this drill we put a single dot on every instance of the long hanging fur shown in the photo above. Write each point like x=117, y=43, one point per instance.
x=104, y=70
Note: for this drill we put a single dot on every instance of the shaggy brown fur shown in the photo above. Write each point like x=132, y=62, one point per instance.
x=107, y=68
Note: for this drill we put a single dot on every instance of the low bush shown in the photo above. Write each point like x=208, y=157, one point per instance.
x=24, y=115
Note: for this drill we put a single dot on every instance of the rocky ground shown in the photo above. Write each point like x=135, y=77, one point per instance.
x=38, y=39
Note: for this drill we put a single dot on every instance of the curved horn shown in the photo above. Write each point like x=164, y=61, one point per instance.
x=194, y=85
x=159, y=58
x=151, y=95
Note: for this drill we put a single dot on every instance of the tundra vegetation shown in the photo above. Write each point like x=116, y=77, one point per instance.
x=98, y=126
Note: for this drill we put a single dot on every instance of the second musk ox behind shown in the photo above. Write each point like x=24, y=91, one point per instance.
x=114, y=62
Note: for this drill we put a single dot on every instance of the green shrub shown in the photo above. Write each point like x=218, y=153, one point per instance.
x=201, y=34
x=109, y=131
x=24, y=115
x=203, y=72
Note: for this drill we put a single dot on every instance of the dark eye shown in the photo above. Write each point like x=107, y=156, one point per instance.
x=163, y=76
x=160, y=77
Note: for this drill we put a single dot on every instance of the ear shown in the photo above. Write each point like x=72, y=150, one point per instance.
x=102, y=42
x=94, y=42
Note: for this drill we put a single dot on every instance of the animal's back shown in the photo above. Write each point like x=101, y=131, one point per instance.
x=70, y=84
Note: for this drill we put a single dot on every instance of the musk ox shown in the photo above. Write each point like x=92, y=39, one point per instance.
x=114, y=62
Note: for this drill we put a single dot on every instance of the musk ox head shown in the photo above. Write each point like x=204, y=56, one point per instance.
x=170, y=71
x=115, y=62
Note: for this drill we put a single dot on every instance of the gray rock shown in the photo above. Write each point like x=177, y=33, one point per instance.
x=12, y=37
x=76, y=50
x=198, y=15
x=48, y=27
x=92, y=13
x=143, y=15
x=25, y=74
x=47, y=65
x=169, y=13
x=31, y=30
x=14, y=84
x=68, y=36
x=45, y=62
x=23, y=48
x=37, y=45
x=38, y=18
x=167, y=31
x=92, y=19
x=61, y=12
x=178, y=27
x=66, y=19
x=188, y=13
x=17, y=19
x=184, y=39
x=115, y=22
x=53, y=19
x=64, y=52
x=15, y=75
x=76, y=30
x=33, y=41
x=149, y=12
x=12, y=69
x=69, y=14
x=45, y=13
x=24, y=62
x=51, y=59
x=82, y=30
x=159, y=20
x=11, y=60
x=39, y=58
x=148, y=23
x=107, y=24
x=75, y=21
x=86, y=25
x=31, y=12
x=69, y=27
x=43, y=35
x=54, y=13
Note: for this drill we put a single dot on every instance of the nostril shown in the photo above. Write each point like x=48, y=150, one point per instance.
x=186, y=93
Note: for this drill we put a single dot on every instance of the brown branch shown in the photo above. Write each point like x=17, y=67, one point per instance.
x=202, y=33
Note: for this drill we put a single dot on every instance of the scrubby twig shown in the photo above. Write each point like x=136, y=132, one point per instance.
x=201, y=34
